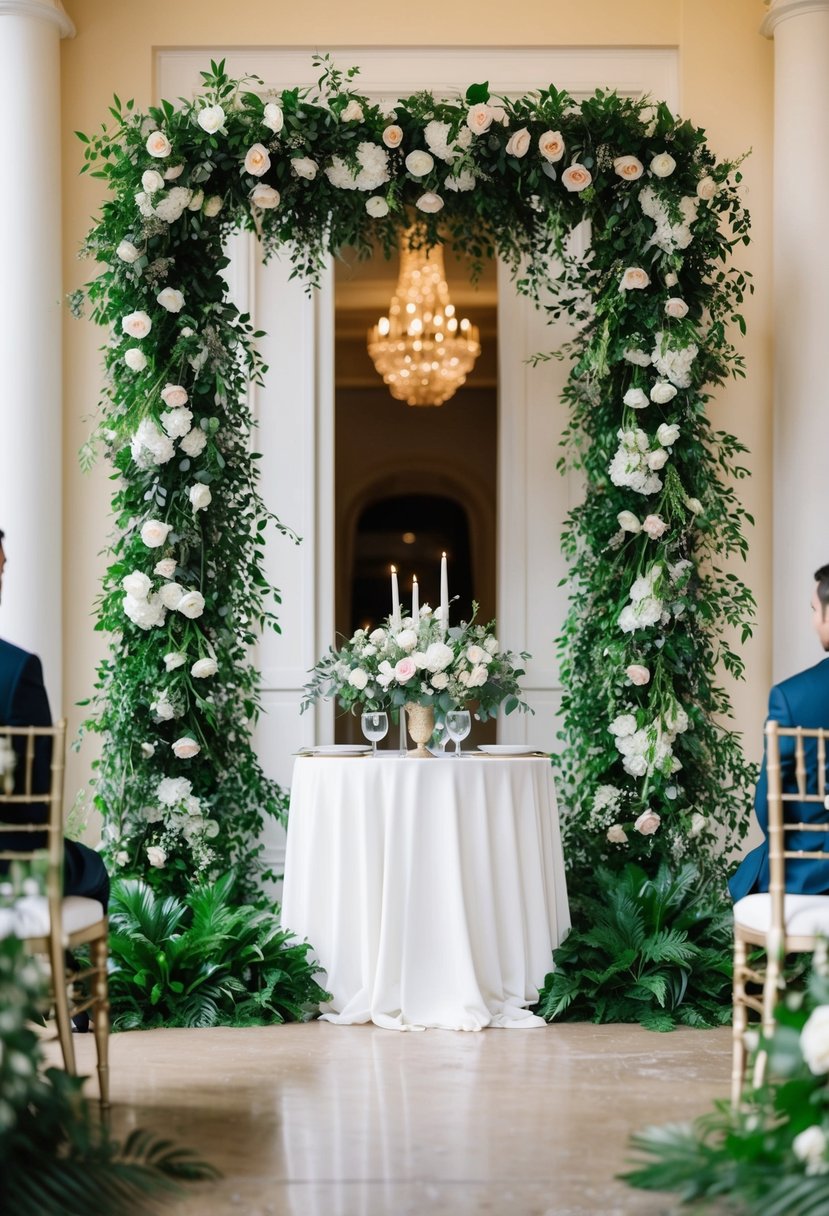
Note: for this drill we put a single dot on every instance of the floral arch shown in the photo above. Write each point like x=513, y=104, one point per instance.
x=648, y=772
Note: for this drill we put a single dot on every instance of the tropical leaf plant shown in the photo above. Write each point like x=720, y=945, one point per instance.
x=650, y=950
x=204, y=960
x=770, y=1158
x=56, y=1157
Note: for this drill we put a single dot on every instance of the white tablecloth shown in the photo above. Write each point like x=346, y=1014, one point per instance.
x=432, y=891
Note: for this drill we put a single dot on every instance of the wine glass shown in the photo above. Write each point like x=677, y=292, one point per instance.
x=440, y=737
x=458, y=724
x=375, y=726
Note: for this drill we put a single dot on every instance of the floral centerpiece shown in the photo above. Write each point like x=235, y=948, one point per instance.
x=408, y=661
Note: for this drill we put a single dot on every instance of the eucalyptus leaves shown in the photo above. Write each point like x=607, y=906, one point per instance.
x=319, y=169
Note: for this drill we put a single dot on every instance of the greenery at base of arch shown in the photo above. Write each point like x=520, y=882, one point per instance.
x=649, y=770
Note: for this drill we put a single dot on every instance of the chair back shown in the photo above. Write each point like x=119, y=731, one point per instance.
x=22, y=804
x=779, y=854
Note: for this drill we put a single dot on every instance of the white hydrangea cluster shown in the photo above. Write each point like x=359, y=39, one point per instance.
x=186, y=823
x=437, y=139
x=373, y=172
x=633, y=465
x=667, y=236
x=169, y=208
x=649, y=749
x=673, y=363
x=646, y=607
x=150, y=446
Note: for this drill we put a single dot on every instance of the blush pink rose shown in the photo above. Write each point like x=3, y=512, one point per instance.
x=404, y=669
x=654, y=525
x=576, y=178
x=647, y=823
x=637, y=674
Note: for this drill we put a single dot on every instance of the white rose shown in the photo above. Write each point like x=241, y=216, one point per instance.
x=358, y=678
x=353, y=112
x=663, y=392
x=629, y=168
x=186, y=331
x=305, y=167
x=152, y=181
x=211, y=119
x=491, y=645
x=163, y=708
x=476, y=654
x=377, y=637
x=135, y=359
x=809, y=1146
x=158, y=145
x=694, y=506
x=439, y=680
x=479, y=118
x=173, y=172
x=185, y=748
x=196, y=201
x=154, y=533
x=551, y=146
x=137, y=585
x=171, y=299
x=671, y=279
x=647, y=823
x=377, y=206
x=654, y=526
x=430, y=203
x=637, y=766
x=637, y=674
x=176, y=422
x=174, y=396
x=675, y=307
x=622, y=726
x=174, y=658
x=257, y=160
x=166, y=567
x=667, y=434
x=171, y=596
x=814, y=1040
x=200, y=497
x=136, y=324
x=636, y=398
x=273, y=118
x=662, y=165
x=706, y=188
x=478, y=676
x=406, y=639
x=265, y=197
x=616, y=834
x=518, y=144
x=628, y=522
x=393, y=136
x=127, y=252
x=639, y=357
x=156, y=856
x=657, y=460
x=191, y=605
x=213, y=206
x=419, y=163
x=202, y=669
x=194, y=442
x=576, y=178
x=147, y=750
x=634, y=279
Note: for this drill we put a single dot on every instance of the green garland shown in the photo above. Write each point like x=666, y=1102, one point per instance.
x=179, y=786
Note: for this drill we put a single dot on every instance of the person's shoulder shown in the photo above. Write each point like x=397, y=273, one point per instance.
x=811, y=685
x=812, y=675
x=15, y=657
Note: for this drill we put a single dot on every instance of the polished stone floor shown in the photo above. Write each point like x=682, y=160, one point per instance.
x=320, y=1120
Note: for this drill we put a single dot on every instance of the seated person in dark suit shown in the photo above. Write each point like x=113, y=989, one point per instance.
x=23, y=702
x=802, y=700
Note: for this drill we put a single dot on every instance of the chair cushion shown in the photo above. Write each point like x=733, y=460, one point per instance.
x=804, y=915
x=29, y=916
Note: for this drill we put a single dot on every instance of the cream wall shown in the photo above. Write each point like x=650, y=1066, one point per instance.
x=726, y=87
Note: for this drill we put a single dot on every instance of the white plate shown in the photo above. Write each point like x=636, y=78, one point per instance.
x=340, y=749
x=506, y=749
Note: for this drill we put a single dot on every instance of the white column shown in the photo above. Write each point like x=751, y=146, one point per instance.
x=31, y=307
x=800, y=29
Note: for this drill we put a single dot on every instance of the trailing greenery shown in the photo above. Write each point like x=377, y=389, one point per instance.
x=649, y=950
x=770, y=1158
x=650, y=771
x=204, y=960
x=56, y=1157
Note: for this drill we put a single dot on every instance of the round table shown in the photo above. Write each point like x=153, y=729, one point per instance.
x=432, y=891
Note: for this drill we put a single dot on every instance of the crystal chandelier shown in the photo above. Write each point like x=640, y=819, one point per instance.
x=422, y=351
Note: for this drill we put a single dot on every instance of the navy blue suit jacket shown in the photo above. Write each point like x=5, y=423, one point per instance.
x=802, y=700
x=23, y=702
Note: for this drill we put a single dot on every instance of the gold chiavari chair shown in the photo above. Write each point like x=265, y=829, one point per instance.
x=51, y=924
x=778, y=921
